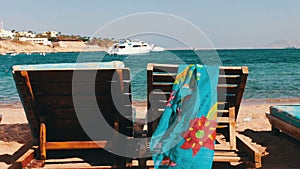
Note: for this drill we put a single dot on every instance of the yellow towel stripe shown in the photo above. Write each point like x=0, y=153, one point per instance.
x=212, y=114
x=181, y=75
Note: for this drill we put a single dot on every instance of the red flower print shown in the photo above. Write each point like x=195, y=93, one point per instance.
x=202, y=133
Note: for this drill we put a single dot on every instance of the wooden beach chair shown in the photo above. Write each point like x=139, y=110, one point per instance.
x=230, y=146
x=285, y=118
x=49, y=92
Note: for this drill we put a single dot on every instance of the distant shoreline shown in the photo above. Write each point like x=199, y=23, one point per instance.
x=17, y=47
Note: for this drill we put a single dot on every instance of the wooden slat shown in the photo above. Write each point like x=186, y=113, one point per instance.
x=166, y=77
x=165, y=68
x=58, y=132
x=72, y=124
x=222, y=147
x=230, y=158
x=172, y=68
x=162, y=87
x=229, y=79
x=158, y=97
x=170, y=77
x=24, y=160
x=60, y=76
x=160, y=94
x=69, y=135
x=161, y=104
x=62, y=113
x=63, y=124
x=219, y=119
x=223, y=111
x=67, y=101
x=77, y=145
x=222, y=119
x=70, y=89
x=226, y=153
x=69, y=113
x=222, y=105
x=227, y=89
x=231, y=70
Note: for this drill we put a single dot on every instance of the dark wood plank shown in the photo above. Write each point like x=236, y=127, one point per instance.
x=229, y=79
x=227, y=89
x=67, y=101
x=79, y=88
x=61, y=76
x=165, y=68
x=162, y=87
x=242, y=86
x=285, y=127
x=166, y=77
x=244, y=145
x=28, y=102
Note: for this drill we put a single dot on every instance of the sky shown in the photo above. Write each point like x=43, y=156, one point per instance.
x=223, y=24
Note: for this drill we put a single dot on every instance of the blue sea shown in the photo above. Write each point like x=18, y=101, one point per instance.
x=273, y=73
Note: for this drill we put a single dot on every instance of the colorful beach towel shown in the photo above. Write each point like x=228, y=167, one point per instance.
x=187, y=128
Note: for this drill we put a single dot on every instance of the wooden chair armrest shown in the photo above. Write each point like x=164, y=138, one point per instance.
x=251, y=150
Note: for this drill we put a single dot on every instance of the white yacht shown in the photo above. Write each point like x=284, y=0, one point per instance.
x=128, y=47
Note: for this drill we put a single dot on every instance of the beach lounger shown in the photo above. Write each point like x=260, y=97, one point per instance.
x=53, y=98
x=285, y=118
x=230, y=146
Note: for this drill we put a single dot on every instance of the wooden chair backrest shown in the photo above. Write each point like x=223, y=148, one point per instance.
x=47, y=98
x=160, y=78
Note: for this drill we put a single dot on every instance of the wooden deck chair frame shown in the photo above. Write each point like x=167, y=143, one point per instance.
x=280, y=125
x=231, y=146
x=47, y=99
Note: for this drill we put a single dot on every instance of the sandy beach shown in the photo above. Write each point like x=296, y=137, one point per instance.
x=280, y=152
x=7, y=46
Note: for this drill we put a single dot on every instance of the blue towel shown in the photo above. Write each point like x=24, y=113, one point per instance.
x=186, y=131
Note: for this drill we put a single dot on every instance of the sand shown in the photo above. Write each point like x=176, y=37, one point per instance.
x=280, y=152
x=7, y=46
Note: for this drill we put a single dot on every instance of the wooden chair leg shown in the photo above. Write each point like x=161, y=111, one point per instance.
x=120, y=162
x=43, y=141
x=232, y=136
x=142, y=163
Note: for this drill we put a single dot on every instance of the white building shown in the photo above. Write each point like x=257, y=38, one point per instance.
x=52, y=34
x=26, y=34
x=41, y=41
x=6, y=34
